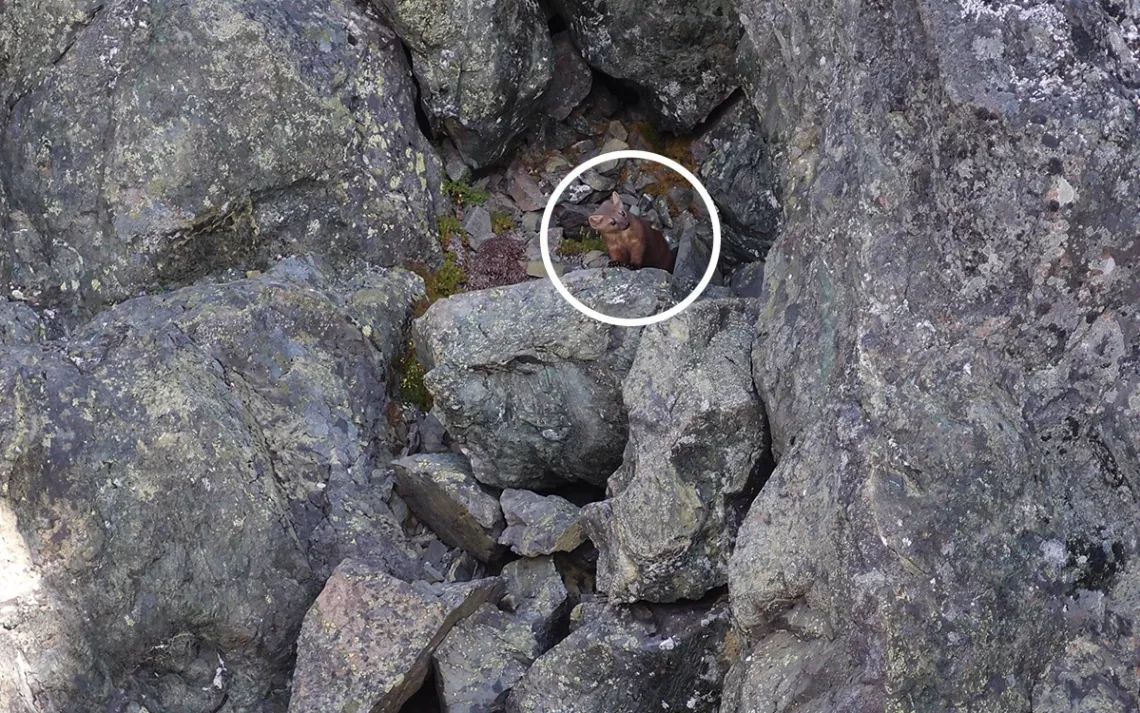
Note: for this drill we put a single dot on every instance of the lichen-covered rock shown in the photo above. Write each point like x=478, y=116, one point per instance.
x=572, y=78
x=632, y=660
x=735, y=166
x=367, y=642
x=948, y=355
x=697, y=437
x=680, y=57
x=694, y=251
x=528, y=386
x=19, y=324
x=484, y=67
x=187, y=471
x=148, y=145
x=442, y=493
x=487, y=653
x=539, y=524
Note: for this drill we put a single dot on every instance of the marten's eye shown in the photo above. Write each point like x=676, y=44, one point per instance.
x=613, y=222
x=623, y=214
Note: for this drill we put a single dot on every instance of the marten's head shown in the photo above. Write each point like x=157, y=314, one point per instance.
x=611, y=217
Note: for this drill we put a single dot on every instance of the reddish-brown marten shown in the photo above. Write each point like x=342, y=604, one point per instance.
x=631, y=240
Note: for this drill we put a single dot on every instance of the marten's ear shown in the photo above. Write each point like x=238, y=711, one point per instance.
x=596, y=221
x=616, y=199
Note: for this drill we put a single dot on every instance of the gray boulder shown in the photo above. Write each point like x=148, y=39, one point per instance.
x=697, y=437
x=539, y=524
x=948, y=356
x=694, y=251
x=367, y=642
x=529, y=387
x=735, y=166
x=442, y=493
x=188, y=470
x=19, y=324
x=487, y=653
x=145, y=146
x=680, y=57
x=483, y=67
x=632, y=660
x=572, y=78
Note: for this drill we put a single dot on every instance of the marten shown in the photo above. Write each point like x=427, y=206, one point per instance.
x=630, y=240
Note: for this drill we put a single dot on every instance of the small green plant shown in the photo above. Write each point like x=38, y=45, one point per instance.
x=464, y=193
x=583, y=245
x=412, y=387
x=447, y=280
x=449, y=227
x=502, y=223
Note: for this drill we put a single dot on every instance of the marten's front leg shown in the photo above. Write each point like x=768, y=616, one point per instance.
x=637, y=255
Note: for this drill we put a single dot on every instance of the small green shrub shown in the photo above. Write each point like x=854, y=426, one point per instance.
x=464, y=193
x=585, y=245
x=412, y=387
x=502, y=223
x=449, y=227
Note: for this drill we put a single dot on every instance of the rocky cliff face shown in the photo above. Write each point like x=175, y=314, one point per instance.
x=265, y=447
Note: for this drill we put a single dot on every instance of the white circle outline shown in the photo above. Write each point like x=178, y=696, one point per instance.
x=544, y=239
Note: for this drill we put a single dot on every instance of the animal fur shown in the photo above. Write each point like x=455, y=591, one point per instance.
x=630, y=240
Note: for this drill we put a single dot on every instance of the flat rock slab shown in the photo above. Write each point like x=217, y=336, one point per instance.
x=442, y=493
x=366, y=643
x=530, y=388
x=539, y=524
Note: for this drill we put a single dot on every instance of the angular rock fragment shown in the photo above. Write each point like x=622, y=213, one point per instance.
x=483, y=67
x=366, y=644
x=571, y=81
x=441, y=492
x=697, y=437
x=680, y=57
x=487, y=653
x=633, y=660
x=529, y=387
x=539, y=524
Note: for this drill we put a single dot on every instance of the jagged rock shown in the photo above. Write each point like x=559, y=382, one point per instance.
x=696, y=441
x=19, y=324
x=145, y=146
x=442, y=493
x=679, y=56
x=478, y=226
x=640, y=660
x=694, y=250
x=187, y=470
x=484, y=67
x=526, y=192
x=367, y=642
x=735, y=166
x=748, y=280
x=539, y=524
x=948, y=355
x=487, y=653
x=529, y=387
x=571, y=81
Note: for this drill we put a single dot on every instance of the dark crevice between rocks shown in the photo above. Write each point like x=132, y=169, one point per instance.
x=425, y=700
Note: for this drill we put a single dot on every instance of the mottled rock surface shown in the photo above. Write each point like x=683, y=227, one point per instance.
x=367, y=642
x=487, y=653
x=528, y=386
x=632, y=660
x=187, y=471
x=697, y=436
x=571, y=81
x=147, y=145
x=679, y=56
x=539, y=524
x=442, y=493
x=19, y=324
x=484, y=67
x=948, y=355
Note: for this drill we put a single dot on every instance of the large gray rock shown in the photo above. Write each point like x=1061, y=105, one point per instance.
x=442, y=493
x=572, y=78
x=487, y=653
x=540, y=524
x=697, y=437
x=19, y=324
x=186, y=472
x=735, y=166
x=642, y=660
x=483, y=66
x=148, y=145
x=367, y=642
x=948, y=355
x=528, y=386
x=680, y=57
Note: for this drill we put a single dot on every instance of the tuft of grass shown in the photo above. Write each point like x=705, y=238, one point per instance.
x=412, y=387
x=502, y=223
x=449, y=227
x=583, y=246
x=448, y=280
x=463, y=193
